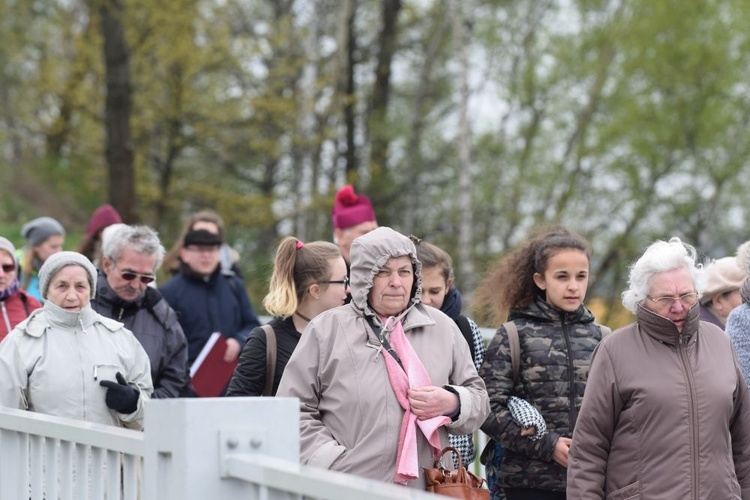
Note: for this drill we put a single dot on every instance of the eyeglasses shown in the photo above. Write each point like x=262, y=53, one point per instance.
x=130, y=276
x=687, y=299
x=344, y=282
x=8, y=268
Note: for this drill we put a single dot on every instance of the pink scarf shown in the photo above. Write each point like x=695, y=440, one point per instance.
x=414, y=375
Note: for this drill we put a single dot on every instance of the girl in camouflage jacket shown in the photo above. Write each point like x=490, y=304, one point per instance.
x=541, y=285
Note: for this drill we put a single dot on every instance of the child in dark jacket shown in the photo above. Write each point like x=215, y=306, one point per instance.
x=541, y=285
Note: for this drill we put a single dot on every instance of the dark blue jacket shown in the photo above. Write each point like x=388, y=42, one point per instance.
x=218, y=303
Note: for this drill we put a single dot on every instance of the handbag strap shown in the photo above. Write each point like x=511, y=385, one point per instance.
x=446, y=450
x=270, y=359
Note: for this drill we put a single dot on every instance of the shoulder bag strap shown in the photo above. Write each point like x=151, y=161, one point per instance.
x=384, y=341
x=270, y=359
x=22, y=296
x=515, y=348
x=465, y=327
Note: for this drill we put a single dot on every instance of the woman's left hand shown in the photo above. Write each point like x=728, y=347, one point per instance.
x=431, y=401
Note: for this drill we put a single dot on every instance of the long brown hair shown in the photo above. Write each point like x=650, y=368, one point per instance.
x=510, y=284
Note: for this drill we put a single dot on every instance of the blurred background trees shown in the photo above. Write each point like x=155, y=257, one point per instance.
x=468, y=123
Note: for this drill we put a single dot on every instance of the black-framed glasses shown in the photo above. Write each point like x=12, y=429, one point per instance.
x=8, y=268
x=344, y=282
x=687, y=299
x=131, y=275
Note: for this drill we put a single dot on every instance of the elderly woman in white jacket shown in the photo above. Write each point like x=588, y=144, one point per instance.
x=69, y=361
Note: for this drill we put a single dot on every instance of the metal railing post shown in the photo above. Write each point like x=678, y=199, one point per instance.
x=186, y=440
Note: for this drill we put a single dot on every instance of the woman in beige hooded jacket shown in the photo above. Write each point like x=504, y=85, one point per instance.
x=666, y=412
x=350, y=416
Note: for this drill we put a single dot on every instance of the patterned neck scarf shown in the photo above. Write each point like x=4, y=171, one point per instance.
x=12, y=288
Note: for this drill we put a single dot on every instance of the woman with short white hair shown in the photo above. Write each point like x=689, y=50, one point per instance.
x=666, y=412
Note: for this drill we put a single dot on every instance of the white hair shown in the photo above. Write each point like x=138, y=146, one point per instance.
x=142, y=239
x=659, y=257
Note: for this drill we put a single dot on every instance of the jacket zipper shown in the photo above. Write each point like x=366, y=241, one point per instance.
x=692, y=422
x=571, y=377
x=80, y=361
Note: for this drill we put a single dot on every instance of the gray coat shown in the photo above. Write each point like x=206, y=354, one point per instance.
x=665, y=415
x=350, y=417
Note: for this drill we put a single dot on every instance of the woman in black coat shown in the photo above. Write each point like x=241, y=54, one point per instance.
x=308, y=278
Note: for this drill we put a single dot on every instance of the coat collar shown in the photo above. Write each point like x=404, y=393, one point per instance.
x=663, y=330
x=540, y=310
x=52, y=316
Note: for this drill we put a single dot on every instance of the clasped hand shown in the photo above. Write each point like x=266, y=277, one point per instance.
x=431, y=401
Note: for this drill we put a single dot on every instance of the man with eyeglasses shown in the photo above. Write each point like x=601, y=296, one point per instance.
x=130, y=259
x=208, y=300
x=15, y=303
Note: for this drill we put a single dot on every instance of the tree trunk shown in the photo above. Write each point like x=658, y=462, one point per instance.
x=463, y=29
x=119, y=152
x=345, y=65
x=381, y=92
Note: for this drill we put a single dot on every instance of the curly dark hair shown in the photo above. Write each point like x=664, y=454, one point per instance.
x=510, y=283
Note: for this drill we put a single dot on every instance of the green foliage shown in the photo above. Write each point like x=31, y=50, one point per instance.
x=624, y=120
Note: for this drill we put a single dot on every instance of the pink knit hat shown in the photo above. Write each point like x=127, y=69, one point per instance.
x=350, y=209
x=104, y=216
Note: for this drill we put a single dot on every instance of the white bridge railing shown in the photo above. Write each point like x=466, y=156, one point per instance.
x=217, y=448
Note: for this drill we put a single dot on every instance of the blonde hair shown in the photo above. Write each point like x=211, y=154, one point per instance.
x=296, y=266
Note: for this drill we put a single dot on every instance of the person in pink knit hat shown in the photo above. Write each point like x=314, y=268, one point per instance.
x=91, y=244
x=352, y=216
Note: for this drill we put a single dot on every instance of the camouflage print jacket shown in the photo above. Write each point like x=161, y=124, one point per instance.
x=556, y=348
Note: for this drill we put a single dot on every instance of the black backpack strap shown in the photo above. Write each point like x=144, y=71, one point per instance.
x=23, y=298
x=465, y=327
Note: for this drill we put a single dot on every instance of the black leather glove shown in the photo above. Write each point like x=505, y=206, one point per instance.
x=121, y=396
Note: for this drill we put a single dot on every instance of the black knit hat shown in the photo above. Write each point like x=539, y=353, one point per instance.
x=201, y=237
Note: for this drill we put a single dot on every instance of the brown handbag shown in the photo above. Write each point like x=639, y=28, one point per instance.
x=458, y=483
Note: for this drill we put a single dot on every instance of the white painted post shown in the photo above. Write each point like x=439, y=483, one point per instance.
x=186, y=439
x=14, y=457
